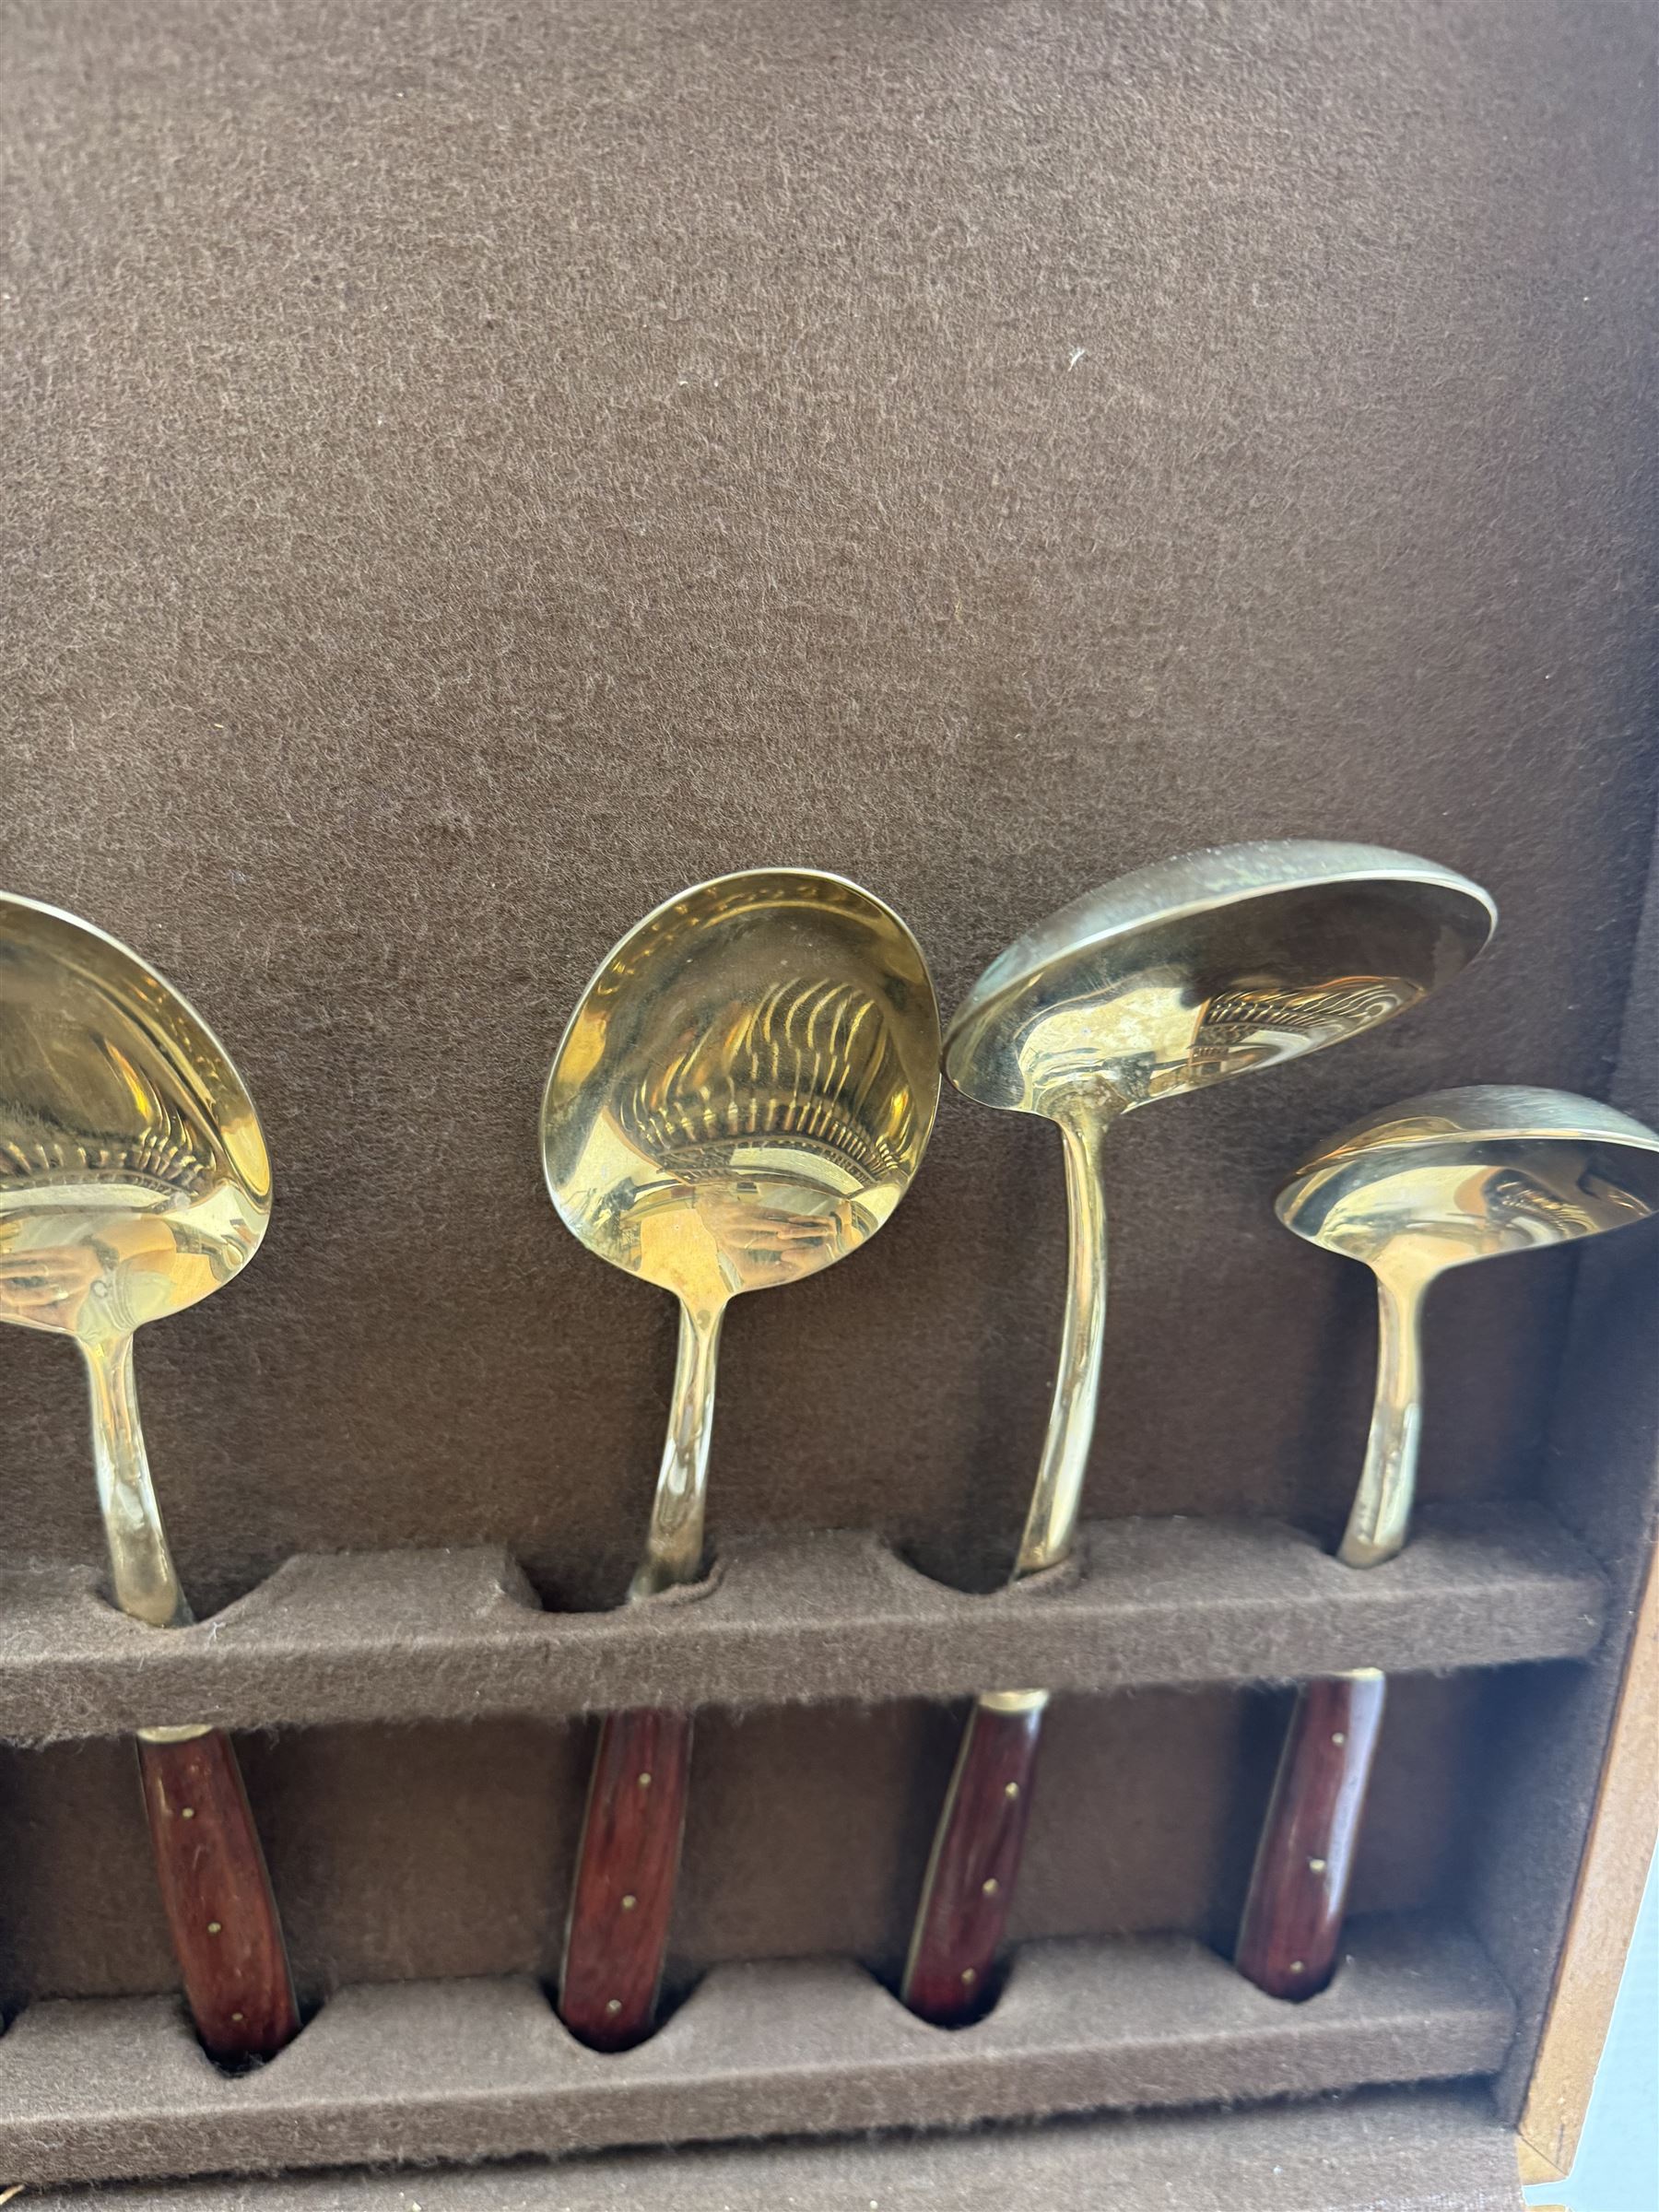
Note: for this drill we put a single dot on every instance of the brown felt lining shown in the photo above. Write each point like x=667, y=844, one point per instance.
x=483, y=2068
x=472, y=472
x=474, y=477
x=432, y=1635
x=1374, y=2152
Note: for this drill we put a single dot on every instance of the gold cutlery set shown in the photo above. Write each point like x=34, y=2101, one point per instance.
x=742, y=1098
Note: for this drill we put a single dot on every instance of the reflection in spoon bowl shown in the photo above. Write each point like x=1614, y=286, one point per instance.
x=45, y=1285
x=1412, y=1211
x=128, y=1144
x=93, y=1262
x=1126, y=1041
x=768, y=1106
x=750, y=1232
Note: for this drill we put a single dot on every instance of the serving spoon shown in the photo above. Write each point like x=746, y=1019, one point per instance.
x=1433, y=1183
x=1167, y=981
x=133, y=1181
x=741, y=1099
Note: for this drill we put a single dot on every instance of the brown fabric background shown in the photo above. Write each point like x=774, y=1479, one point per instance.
x=471, y=473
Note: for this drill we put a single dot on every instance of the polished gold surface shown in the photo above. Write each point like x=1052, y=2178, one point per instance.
x=1170, y=980
x=134, y=1180
x=1439, y=1181
x=741, y=1099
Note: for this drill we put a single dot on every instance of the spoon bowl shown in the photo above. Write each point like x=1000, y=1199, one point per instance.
x=747, y=1087
x=1184, y=973
x=1439, y=1181
x=134, y=1178
x=1473, y=1174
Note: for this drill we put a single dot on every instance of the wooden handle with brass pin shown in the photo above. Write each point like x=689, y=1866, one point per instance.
x=623, y=1899
x=741, y=1099
x=134, y=1182
x=1298, y=1888
x=975, y=1860
x=1168, y=980
x=1432, y=1183
x=217, y=1895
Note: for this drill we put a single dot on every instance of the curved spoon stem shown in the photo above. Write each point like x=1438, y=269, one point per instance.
x=673, y=1548
x=1382, y=1512
x=1059, y=1486
x=968, y=1890
x=146, y=1582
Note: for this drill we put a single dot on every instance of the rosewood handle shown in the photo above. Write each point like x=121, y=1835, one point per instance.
x=975, y=1860
x=217, y=1898
x=1298, y=1887
x=623, y=1899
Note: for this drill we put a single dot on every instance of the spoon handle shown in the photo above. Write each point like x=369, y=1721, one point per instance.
x=674, y=1545
x=975, y=1862
x=1298, y=1887
x=1052, y=1518
x=1381, y=1509
x=217, y=1895
x=142, y=1573
x=628, y=1864
x=226, y=1932
x=627, y=1868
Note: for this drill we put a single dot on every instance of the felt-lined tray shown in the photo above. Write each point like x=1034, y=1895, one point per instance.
x=394, y=1636
x=480, y=2069
x=1424, y=2151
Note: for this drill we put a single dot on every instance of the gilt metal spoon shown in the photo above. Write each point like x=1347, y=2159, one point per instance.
x=133, y=1181
x=741, y=1099
x=1170, y=980
x=1430, y=1184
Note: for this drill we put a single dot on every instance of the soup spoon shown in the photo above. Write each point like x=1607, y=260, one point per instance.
x=1168, y=980
x=133, y=1181
x=1433, y=1183
x=741, y=1099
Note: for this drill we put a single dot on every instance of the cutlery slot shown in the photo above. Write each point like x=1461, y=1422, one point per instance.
x=412, y=1636
x=480, y=2068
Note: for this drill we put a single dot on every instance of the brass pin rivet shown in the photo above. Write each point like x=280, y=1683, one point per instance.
x=969, y=1976
x=236, y=2016
x=644, y=1781
x=1012, y=1790
x=1316, y=1865
x=629, y=1903
x=989, y=1887
x=1339, y=1737
x=188, y=1813
x=214, y=1927
x=612, y=2004
x=1297, y=1966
